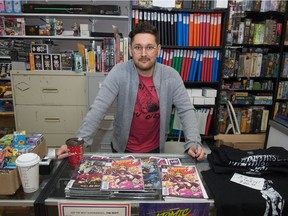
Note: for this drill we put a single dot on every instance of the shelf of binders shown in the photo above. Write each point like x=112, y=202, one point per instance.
x=193, y=28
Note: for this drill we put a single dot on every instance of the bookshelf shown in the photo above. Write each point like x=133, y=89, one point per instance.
x=101, y=25
x=42, y=28
x=7, y=124
x=193, y=46
x=281, y=99
x=253, y=63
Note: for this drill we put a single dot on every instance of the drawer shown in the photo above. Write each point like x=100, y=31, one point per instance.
x=49, y=119
x=104, y=134
x=49, y=90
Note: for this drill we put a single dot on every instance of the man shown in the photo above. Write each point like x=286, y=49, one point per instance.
x=145, y=92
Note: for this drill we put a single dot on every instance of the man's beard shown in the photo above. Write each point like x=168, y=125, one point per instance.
x=144, y=67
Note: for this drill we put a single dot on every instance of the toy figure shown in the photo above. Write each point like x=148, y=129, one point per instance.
x=75, y=29
x=59, y=27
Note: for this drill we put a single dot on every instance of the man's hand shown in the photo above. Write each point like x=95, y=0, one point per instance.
x=62, y=152
x=196, y=153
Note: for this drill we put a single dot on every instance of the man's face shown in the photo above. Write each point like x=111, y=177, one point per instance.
x=144, y=51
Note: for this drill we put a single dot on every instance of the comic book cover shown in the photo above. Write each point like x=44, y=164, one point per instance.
x=122, y=175
x=151, y=174
x=182, y=181
x=88, y=174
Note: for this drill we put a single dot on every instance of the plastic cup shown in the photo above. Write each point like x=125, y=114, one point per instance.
x=28, y=168
x=75, y=147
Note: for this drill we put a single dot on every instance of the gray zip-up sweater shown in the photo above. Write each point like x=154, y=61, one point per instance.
x=122, y=84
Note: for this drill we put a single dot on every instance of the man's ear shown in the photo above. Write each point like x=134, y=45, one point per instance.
x=130, y=50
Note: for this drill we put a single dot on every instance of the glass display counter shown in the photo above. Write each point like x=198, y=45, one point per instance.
x=54, y=191
x=22, y=203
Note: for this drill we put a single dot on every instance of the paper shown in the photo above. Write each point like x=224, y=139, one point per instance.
x=74, y=209
x=252, y=182
x=164, y=3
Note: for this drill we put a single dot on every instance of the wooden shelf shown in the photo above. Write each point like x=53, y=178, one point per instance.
x=8, y=113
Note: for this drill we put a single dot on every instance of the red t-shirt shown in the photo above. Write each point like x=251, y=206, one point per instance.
x=145, y=127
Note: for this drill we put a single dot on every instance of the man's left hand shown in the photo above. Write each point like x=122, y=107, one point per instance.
x=197, y=153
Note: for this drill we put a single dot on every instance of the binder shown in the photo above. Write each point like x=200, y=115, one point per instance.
x=169, y=29
x=160, y=57
x=209, y=119
x=217, y=65
x=162, y=30
x=180, y=29
x=180, y=61
x=207, y=29
x=192, y=67
x=199, y=71
x=190, y=59
x=218, y=29
x=201, y=33
x=175, y=42
x=164, y=57
x=190, y=30
x=172, y=31
x=204, y=66
x=214, y=72
x=182, y=68
x=171, y=56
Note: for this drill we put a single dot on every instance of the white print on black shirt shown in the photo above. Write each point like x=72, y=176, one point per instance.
x=274, y=201
x=258, y=162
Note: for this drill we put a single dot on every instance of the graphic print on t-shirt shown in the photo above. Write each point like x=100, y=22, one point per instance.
x=147, y=101
x=145, y=127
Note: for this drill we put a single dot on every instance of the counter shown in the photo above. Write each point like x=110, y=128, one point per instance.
x=63, y=174
x=24, y=202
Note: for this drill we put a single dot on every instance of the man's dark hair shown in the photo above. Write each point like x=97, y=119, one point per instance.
x=144, y=27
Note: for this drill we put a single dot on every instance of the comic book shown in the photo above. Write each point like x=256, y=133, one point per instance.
x=86, y=178
x=123, y=175
x=151, y=174
x=182, y=182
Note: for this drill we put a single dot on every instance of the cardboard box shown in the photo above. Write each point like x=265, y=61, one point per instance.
x=241, y=141
x=10, y=182
x=209, y=92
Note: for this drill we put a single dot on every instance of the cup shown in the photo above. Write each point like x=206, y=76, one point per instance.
x=28, y=168
x=75, y=150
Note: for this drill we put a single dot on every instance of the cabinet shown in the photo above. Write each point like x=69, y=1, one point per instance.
x=50, y=103
x=102, y=139
x=253, y=60
x=281, y=102
x=192, y=42
x=17, y=44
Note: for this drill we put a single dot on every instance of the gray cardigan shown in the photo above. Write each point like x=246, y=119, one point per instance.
x=121, y=84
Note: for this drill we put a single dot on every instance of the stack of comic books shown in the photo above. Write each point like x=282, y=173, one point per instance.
x=152, y=182
x=86, y=179
x=181, y=182
x=115, y=178
x=131, y=178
